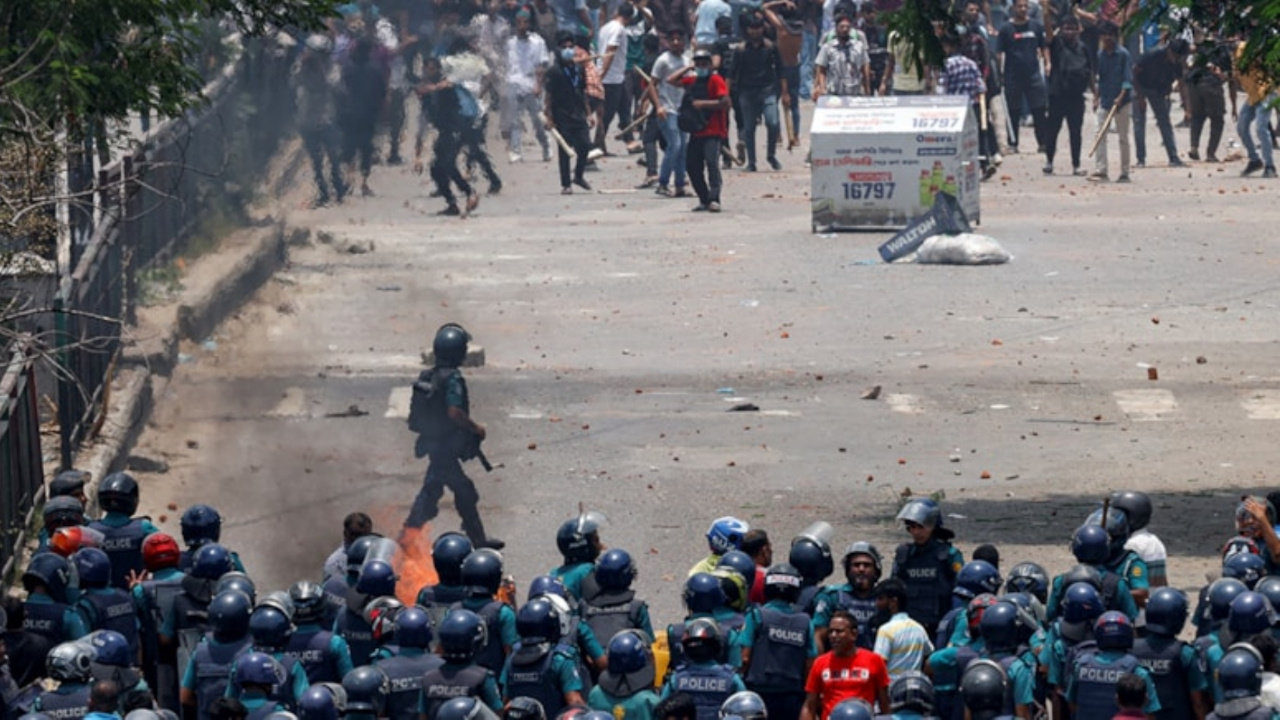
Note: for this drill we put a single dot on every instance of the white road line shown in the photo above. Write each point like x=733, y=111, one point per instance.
x=1146, y=405
x=293, y=404
x=398, y=402
x=904, y=403
x=1262, y=404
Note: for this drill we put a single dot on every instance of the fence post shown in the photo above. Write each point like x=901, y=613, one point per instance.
x=66, y=413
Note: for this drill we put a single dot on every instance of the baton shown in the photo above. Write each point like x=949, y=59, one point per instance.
x=1102, y=131
x=573, y=155
x=982, y=109
x=638, y=122
x=792, y=140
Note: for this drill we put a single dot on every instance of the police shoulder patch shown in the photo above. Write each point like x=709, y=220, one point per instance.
x=1136, y=570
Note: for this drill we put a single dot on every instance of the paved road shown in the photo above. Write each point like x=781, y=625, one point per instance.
x=620, y=328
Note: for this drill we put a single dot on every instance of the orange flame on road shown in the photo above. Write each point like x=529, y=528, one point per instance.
x=413, y=564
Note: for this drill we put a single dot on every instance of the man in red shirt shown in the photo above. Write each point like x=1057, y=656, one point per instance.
x=710, y=96
x=848, y=671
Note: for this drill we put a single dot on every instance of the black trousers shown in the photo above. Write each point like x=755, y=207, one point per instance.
x=702, y=162
x=1034, y=94
x=319, y=142
x=444, y=166
x=578, y=139
x=445, y=471
x=477, y=154
x=617, y=103
x=358, y=140
x=1207, y=103
x=1070, y=109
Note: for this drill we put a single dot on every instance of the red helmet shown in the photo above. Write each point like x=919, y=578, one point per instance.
x=160, y=551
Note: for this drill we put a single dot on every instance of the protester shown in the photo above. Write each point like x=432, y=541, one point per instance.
x=1114, y=87
x=707, y=98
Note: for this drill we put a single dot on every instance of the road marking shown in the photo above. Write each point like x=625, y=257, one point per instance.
x=904, y=403
x=398, y=402
x=1146, y=405
x=293, y=404
x=1262, y=405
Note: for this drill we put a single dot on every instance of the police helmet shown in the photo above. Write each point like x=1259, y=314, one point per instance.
x=911, y=690
x=999, y=626
x=1113, y=631
x=921, y=511
x=977, y=577
x=615, y=570
x=211, y=562
x=579, y=538
x=565, y=613
x=142, y=714
x=538, y=622
x=983, y=686
x=1091, y=544
x=740, y=563
x=862, y=548
x=159, y=551
x=782, y=582
x=524, y=708
x=358, y=552
x=70, y=662
x=1240, y=672
x=380, y=613
x=377, y=579
x=1081, y=603
x=93, y=566
x=1237, y=545
x=51, y=570
x=462, y=634
x=628, y=652
x=1116, y=525
x=63, y=511
x=201, y=524
x=546, y=585
x=1245, y=567
x=702, y=640
x=235, y=580
x=736, y=591
x=258, y=668
x=413, y=628
x=447, y=554
x=482, y=572
x=308, y=602
x=976, y=608
x=1030, y=614
x=282, y=601
x=1270, y=587
x=109, y=648
x=68, y=482
x=1250, y=614
x=270, y=628
x=167, y=714
x=726, y=534
x=1136, y=505
x=851, y=709
x=367, y=689
x=118, y=493
x=744, y=705
x=450, y=345
x=596, y=715
x=229, y=613
x=323, y=701
x=1030, y=578
x=703, y=593
x=281, y=715
x=813, y=559
x=1221, y=594
x=1086, y=574
x=466, y=708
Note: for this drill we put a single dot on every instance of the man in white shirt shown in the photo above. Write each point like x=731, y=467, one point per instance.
x=667, y=98
x=527, y=60
x=613, y=70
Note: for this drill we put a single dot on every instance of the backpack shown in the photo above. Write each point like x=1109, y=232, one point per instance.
x=690, y=119
x=429, y=412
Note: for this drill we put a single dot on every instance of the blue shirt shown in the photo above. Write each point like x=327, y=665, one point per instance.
x=1115, y=74
x=705, y=17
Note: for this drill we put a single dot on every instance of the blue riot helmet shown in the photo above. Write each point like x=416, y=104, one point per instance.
x=1090, y=544
x=482, y=572
x=63, y=511
x=469, y=708
x=111, y=658
x=1250, y=614
x=921, y=511
x=211, y=562
x=377, y=579
x=1240, y=672
x=977, y=577
x=702, y=640
x=546, y=585
x=726, y=534
x=308, y=602
x=1270, y=587
x=814, y=561
x=538, y=621
x=462, y=634
x=524, y=708
x=999, y=626
x=271, y=629
x=323, y=701
x=68, y=483
x=912, y=690
x=70, y=662
x=229, y=613
x=628, y=653
x=1166, y=611
x=413, y=628
x=1081, y=603
x=1117, y=526
x=201, y=524
x=450, y=345
x=740, y=563
x=258, y=668
x=53, y=572
x=1221, y=593
x=234, y=580
x=615, y=570
x=1086, y=574
x=579, y=538
x=1030, y=578
x=1245, y=567
x=367, y=689
x=1136, y=507
x=357, y=552
x=447, y=554
x=782, y=582
x=282, y=601
x=118, y=493
x=1113, y=631
x=93, y=566
x=744, y=705
x=851, y=709
x=703, y=593
x=983, y=687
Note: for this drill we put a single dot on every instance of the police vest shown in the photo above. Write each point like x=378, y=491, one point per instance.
x=608, y=613
x=709, y=685
x=405, y=674
x=1262, y=712
x=1162, y=657
x=265, y=711
x=927, y=573
x=335, y=600
x=69, y=702
x=158, y=596
x=351, y=627
x=946, y=684
x=113, y=609
x=312, y=649
x=808, y=599
x=441, y=685
x=491, y=656
x=436, y=600
x=947, y=627
x=779, y=651
x=124, y=546
x=863, y=611
x=212, y=665
x=1096, y=683
x=529, y=675
x=190, y=622
x=46, y=620
x=282, y=692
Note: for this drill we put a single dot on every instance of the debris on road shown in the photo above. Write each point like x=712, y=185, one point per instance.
x=351, y=411
x=744, y=407
x=961, y=249
x=138, y=463
x=872, y=393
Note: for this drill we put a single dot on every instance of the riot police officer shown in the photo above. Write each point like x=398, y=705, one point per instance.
x=447, y=554
x=113, y=660
x=70, y=483
x=153, y=598
x=469, y=708
x=105, y=607
x=48, y=608
x=408, y=664
x=1081, y=606
x=862, y=569
x=1121, y=560
x=985, y=688
x=701, y=675
x=323, y=701
x=122, y=533
x=1173, y=664
x=928, y=565
x=257, y=675
x=271, y=627
x=208, y=673
x=609, y=604
x=189, y=621
x=704, y=598
x=69, y=663
x=325, y=657
x=440, y=413
x=725, y=534
x=745, y=705
x=1240, y=679
x=482, y=575
x=625, y=688
x=201, y=525
x=778, y=645
x=462, y=635
x=911, y=696
x=974, y=579
x=541, y=665
x=1091, y=687
x=578, y=540
x=59, y=512
x=367, y=689
x=811, y=555
x=377, y=579
x=1091, y=544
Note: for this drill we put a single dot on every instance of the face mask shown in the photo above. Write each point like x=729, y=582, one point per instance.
x=704, y=72
x=567, y=54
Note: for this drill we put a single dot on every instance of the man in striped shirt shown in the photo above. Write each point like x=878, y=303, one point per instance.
x=962, y=76
x=902, y=642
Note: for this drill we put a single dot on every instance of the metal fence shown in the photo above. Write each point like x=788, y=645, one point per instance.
x=20, y=456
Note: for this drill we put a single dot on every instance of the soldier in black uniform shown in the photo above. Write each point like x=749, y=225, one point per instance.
x=440, y=414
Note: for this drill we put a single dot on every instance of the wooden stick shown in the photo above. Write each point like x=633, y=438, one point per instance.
x=792, y=140
x=573, y=155
x=1102, y=131
x=644, y=75
x=982, y=110
x=638, y=122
